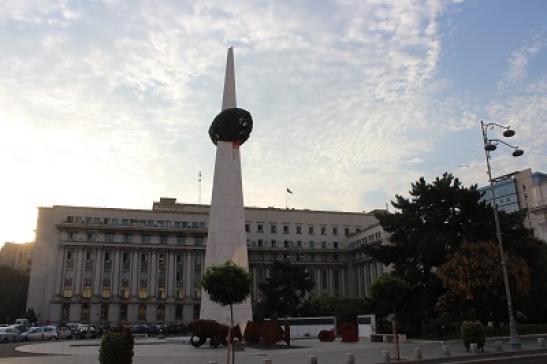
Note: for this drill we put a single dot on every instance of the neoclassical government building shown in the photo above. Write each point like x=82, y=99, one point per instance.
x=126, y=265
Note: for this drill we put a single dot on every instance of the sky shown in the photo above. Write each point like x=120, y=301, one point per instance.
x=108, y=103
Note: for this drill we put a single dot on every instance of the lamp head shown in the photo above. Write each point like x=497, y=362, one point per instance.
x=508, y=133
x=518, y=152
x=490, y=147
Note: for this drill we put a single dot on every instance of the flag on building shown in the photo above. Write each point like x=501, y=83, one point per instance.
x=289, y=191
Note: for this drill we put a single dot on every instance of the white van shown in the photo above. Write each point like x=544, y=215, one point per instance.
x=23, y=322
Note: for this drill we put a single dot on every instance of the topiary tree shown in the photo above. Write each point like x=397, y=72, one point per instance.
x=471, y=332
x=116, y=346
x=227, y=284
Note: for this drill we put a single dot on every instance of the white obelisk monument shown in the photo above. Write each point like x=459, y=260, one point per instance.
x=226, y=239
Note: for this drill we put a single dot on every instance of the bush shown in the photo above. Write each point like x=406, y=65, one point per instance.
x=117, y=346
x=326, y=335
x=472, y=332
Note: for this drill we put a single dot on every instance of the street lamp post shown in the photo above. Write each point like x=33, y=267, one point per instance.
x=489, y=146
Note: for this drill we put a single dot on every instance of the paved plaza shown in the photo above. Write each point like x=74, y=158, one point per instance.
x=165, y=352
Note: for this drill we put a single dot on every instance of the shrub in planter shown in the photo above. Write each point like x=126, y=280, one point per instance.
x=471, y=332
x=349, y=331
x=327, y=335
x=116, y=346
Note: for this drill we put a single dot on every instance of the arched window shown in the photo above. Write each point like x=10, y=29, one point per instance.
x=160, y=315
x=142, y=313
x=65, y=311
x=123, y=312
x=104, y=312
x=178, y=312
x=85, y=313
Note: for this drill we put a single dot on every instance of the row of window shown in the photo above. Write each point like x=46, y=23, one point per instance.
x=141, y=312
x=289, y=244
x=125, y=255
x=299, y=257
x=93, y=236
x=182, y=225
x=323, y=276
x=367, y=239
x=298, y=229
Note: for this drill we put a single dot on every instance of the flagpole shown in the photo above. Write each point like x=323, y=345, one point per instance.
x=286, y=199
x=199, y=192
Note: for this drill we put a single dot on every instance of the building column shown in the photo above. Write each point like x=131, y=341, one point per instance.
x=331, y=281
x=151, y=313
x=94, y=312
x=134, y=274
x=188, y=313
x=97, y=284
x=342, y=282
x=114, y=312
x=75, y=313
x=78, y=270
x=55, y=312
x=116, y=274
x=153, y=275
x=60, y=270
x=188, y=275
x=319, y=282
x=132, y=312
x=169, y=312
x=170, y=278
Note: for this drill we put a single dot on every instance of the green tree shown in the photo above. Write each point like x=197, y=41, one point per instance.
x=473, y=281
x=227, y=284
x=429, y=227
x=285, y=288
x=432, y=223
x=13, y=294
x=345, y=309
x=389, y=292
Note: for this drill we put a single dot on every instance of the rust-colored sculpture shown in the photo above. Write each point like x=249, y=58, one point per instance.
x=210, y=329
x=269, y=332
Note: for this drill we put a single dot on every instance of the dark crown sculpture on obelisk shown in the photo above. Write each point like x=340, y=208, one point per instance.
x=226, y=238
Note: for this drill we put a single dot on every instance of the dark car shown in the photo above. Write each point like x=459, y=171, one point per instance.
x=139, y=329
x=88, y=332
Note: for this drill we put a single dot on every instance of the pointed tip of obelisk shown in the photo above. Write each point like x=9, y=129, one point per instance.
x=229, y=96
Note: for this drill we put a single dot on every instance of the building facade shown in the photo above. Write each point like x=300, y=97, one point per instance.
x=17, y=256
x=522, y=190
x=126, y=265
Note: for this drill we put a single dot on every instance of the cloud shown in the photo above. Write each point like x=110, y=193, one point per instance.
x=519, y=59
x=112, y=100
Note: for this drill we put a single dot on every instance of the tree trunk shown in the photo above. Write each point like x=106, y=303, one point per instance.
x=230, y=338
x=395, y=335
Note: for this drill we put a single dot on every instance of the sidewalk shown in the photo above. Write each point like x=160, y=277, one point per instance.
x=163, y=352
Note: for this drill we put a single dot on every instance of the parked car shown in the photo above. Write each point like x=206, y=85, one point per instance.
x=20, y=328
x=87, y=332
x=9, y=334
x=139, y=329
x=41, y=333
x=23, y=322
x=65, y=332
